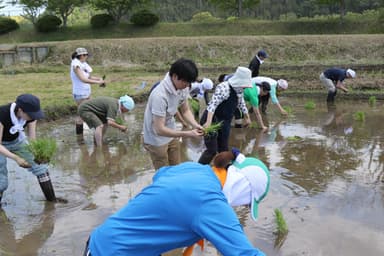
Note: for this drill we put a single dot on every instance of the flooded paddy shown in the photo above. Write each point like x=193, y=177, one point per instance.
x=327, y=178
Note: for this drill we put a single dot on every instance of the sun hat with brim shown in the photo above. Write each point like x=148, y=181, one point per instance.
x=81, y=51
x=283, y=84
x=247, y=183
x=241, y=78
x=30, y=104
x=206, y=84
x=127, y=102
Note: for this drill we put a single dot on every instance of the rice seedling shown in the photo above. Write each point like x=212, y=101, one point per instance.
x=282, y=229
x=42, y=149
x=103, y=84
x=310, y=105
x=359, y=116
x=288, y=109
x=195, y=105
x=372, y=100
x=212, y=129
x=253, y=125
x=119, y=120
x=294, y=138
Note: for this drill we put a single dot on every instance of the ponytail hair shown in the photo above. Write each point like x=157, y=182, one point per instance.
x=74, y=55
x=223, y=159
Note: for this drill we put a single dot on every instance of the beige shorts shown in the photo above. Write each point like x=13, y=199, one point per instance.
x=328, y=83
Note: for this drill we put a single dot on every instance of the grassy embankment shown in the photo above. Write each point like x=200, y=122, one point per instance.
x=128, y=62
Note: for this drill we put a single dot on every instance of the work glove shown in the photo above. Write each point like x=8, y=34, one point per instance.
x=235, y=152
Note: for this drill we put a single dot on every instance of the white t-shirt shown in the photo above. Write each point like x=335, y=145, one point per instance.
x=79, y=87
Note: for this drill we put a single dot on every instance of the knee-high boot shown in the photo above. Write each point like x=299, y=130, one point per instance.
x=79, y=129
x=46, y=187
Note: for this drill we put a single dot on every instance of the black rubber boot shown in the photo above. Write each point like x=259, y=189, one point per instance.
x=79, y=129
x=331, y=96
x=46, y=187
x=238, y=125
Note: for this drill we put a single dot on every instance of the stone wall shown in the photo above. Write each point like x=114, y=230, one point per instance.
x=13, y=54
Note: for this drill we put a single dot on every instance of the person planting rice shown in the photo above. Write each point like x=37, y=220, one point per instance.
x=101, y=112
x=14, y=118
x=228, y=96
x=333, y=79
x=184, y=204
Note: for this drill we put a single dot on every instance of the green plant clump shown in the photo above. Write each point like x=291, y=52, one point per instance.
x=42, y=149
x=372, y=100
x=48, y=23
x=212, y=129
x=288, y=109
x=310, y=105
x=119, y=120
x=144, y=18
x=282, y=228
x=101, y=20
x=359, y=116
x=195, y=105
x=7, y=25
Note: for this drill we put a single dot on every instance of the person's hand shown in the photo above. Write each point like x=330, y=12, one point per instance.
x=124, y=128
x=283, y=112
x=235, y=152
x=264, y=128
x=247, y=121
x=196, y=133
x=23, y=163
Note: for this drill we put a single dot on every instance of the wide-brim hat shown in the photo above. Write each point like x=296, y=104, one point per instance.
x=247, y=183
x=241, y=78
x=30, y=104
x=283, y=84
x=351, y=73
x=81, y=51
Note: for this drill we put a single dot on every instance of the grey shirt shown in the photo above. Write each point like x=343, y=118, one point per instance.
x=163, y=101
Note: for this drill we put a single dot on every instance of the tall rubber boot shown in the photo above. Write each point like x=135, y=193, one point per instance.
x=46, y=187
x=331, y=96
x=79, y=129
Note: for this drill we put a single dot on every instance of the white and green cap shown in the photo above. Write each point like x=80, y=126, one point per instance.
x=127, y=102
x=247, y=183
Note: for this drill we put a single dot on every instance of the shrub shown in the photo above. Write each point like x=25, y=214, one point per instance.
x=7, y=25
x=48, y=23
x=203, y=17
x=101, y=20
x=144, y=18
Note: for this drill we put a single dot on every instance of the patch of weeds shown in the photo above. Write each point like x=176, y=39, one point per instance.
x=372, y=100
x=359, y=116
x=42, y=149
x=310, y=105
x=212, y=129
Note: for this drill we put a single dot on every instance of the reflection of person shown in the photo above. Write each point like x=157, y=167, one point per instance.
x=101, y=112
x=333, y=79
x=81, y=80
x=228, y=96
x=276, y=86
x=255, y=63
x=161, y=138
x=14, y=117
x=252, y=95
x=184, y=204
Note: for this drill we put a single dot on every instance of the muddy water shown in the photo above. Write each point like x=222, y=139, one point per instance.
x=327, y=178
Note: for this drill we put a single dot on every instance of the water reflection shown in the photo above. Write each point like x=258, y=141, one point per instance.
x=327, y=177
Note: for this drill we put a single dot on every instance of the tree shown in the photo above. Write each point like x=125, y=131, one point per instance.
x=341, y=3
x=32, y=9
x=117, y=8
x=64, y=8
x=236, y=6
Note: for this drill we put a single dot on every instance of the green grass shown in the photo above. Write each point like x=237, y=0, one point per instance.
x=43, y=149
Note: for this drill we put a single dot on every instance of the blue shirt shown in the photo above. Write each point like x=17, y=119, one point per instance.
x=184, y=204
x=335, y=74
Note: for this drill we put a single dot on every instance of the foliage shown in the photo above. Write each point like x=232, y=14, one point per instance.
x=195, y=105
x=144, y=18
x=310, y=104
x=7, y=25
x=101, y=20
x=117, y=8
x=63, y=8
x=48, y=23
x=372, y=100
x=359, y=116
x=288, y=109
x=119, y=120
x=203, y=17
x=212, y=129
x=235, y=7
x=43, y=149
x=32, y=9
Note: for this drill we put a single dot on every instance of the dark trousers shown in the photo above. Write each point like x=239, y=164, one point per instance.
x=216, y=143
x=86, y=250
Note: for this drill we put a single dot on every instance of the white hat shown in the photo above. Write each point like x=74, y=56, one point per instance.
x=283, y=84
x=81, y=51
x=351, y=73
x=241, y=78
x=247, y=183
x=206, y=84
x=127, y=102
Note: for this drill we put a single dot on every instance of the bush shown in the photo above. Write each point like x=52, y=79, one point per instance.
x=144, y=18
x=203, y=17
x=7, y=25
x=48, y=23
x=101, y=20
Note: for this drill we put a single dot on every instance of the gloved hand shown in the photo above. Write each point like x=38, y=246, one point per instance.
x=235, y=152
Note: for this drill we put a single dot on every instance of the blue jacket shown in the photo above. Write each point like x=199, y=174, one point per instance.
x=184, y=204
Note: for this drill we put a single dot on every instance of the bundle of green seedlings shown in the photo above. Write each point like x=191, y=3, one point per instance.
x=372, y=100
x=212, y=129
x=282, y=228
x=194, y=104
x=43, y=149
x=310, y=105
x=359, y=116
x=119, y=120
x=288, y=110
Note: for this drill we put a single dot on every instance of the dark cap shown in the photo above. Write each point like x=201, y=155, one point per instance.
x=262, y=54
x=30, y=104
